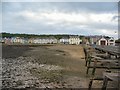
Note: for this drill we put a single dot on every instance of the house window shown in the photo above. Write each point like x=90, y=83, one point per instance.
x=102, y=42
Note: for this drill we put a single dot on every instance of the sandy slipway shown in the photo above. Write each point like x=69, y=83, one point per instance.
x=16, y=74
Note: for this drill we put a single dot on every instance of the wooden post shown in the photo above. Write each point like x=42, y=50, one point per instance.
x=86, y=56
x=105, y=81
x=109, y=55
x=86, y=59
x=86, y=63
x=89, y=59
x=90, y=84
x=94, y=68
x=87, y=70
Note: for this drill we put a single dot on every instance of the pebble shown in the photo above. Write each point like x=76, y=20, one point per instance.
x=15, y=73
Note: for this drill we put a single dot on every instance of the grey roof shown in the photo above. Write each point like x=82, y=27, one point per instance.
x=97, y=38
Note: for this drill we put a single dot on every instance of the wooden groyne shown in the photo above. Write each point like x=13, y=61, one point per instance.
x=105, y=58
x=110, y=50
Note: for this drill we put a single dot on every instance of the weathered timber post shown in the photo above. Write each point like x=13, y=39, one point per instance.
x=86, y=58
x=87, y=70
x=109, y=55
x=94, y=68
x=105, y=81
x=88, y=62
x=90, y=84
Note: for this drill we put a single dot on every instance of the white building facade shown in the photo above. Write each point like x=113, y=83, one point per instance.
x=111, y=41
x=74, y=40
x=102, y=40
x=45, y=40
x=64, y=40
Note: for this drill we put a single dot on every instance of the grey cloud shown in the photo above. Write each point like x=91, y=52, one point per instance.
x=20, y=24
x=96, y=7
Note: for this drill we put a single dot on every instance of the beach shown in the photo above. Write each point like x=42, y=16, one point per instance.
x=43, y=66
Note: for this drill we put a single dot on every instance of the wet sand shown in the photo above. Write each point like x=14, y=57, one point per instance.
x=53, y=66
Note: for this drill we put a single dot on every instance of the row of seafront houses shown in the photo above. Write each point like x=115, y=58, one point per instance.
x=42, y=40
x=93, y=40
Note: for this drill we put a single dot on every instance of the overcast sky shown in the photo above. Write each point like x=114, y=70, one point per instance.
x=82, y=18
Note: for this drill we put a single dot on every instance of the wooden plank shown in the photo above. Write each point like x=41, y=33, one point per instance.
x=100, y=67
x=111, y=67
x=112, y=76
x=95, y=78
x=110, y=64
x=114, y=62
x=111, y=49
x=96, y=57
x=108, y=60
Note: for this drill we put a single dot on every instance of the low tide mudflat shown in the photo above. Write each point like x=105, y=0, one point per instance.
x=40, y=66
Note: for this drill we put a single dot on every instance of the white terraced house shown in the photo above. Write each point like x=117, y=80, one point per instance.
x=111, y=41
x=7, y=40
x=64, y=40
x=37, y=40
x=52, y=40
x=19, y=40
x=16, y=40
x=94, y=39
x=74, y=40
x=101, y=40
x=2, y=40
x=31, y=40
x=45, y=40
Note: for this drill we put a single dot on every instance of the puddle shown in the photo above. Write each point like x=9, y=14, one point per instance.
x=57, y=54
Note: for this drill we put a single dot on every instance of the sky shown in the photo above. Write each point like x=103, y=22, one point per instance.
x=79, y=18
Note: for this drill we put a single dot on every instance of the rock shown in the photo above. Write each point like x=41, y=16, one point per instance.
x=16, y=73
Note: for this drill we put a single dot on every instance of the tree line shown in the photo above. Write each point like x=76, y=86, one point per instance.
x=58, y=36
x=9, y=35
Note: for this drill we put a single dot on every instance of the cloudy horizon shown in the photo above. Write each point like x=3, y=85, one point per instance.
x=80, y=18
